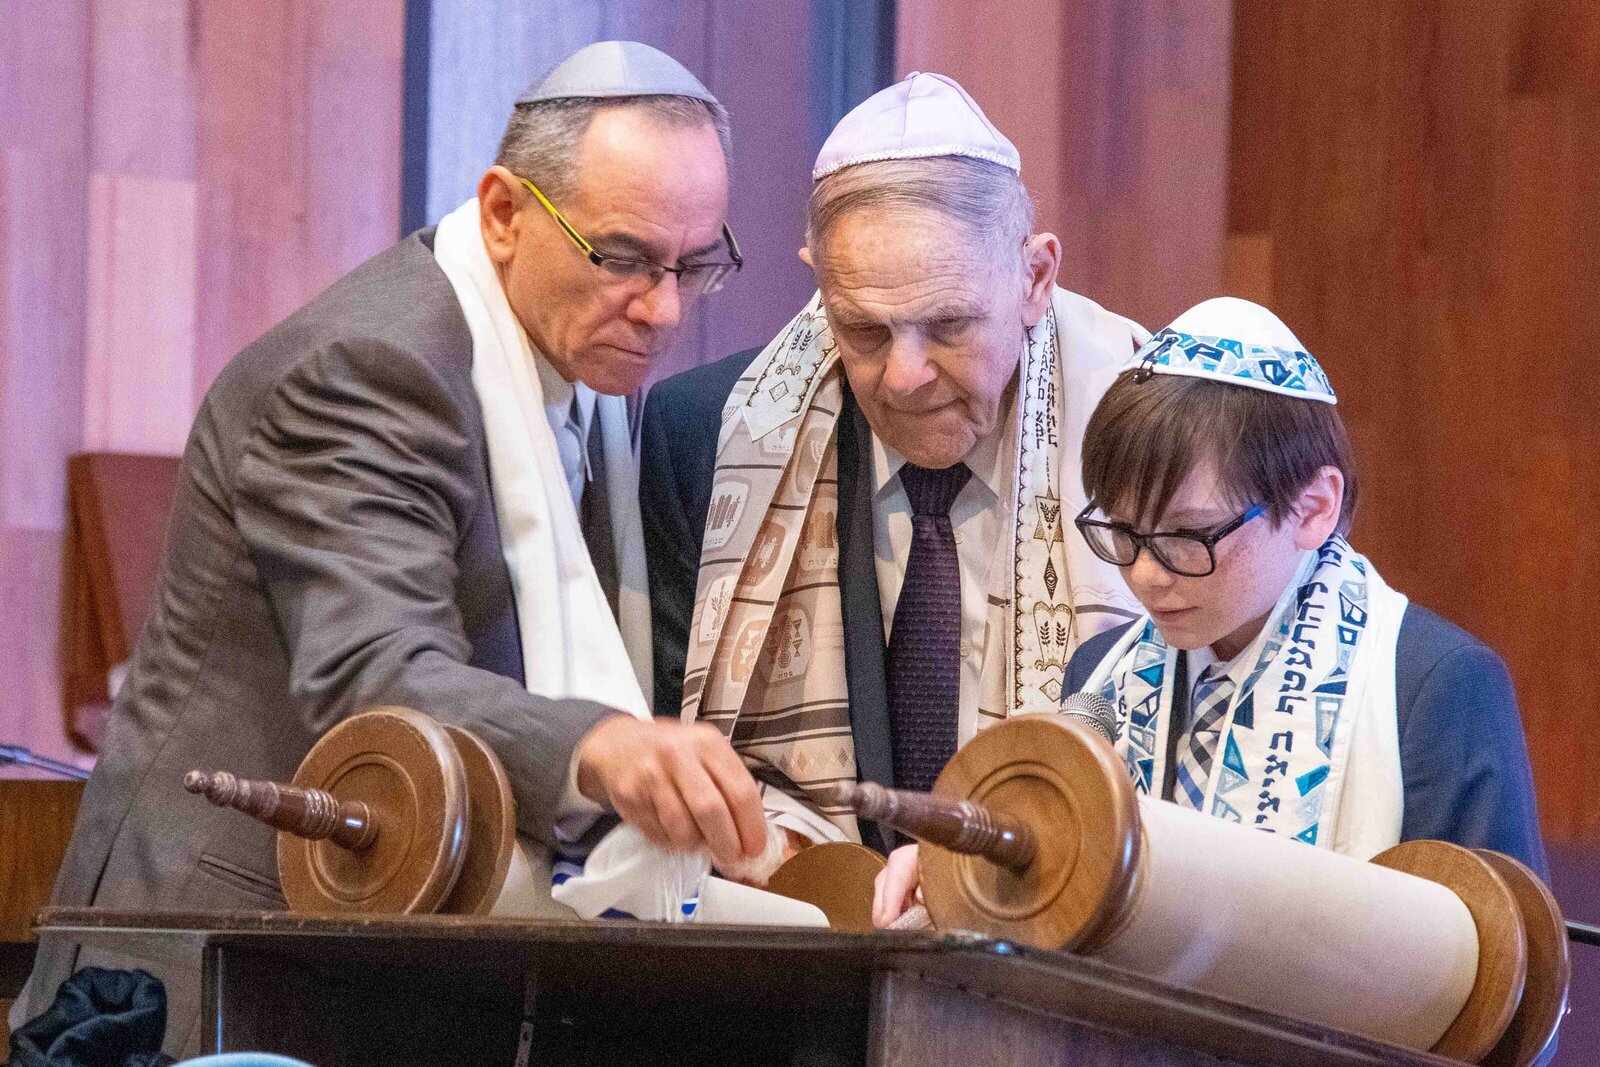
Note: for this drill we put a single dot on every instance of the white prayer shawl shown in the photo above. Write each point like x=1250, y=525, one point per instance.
x=1310, y=745
x=766, y=654
x=572, y=645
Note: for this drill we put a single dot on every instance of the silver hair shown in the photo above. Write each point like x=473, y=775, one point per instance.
x=987, y=199
x=541, y=140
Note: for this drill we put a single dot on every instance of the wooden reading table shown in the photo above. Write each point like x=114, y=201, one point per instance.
x=340, y=991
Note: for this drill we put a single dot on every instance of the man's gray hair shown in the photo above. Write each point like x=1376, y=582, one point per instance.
x=986, y=198
x=541, y=140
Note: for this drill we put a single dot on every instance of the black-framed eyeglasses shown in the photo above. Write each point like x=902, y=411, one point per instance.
x=1187, y=553
x=694, y=279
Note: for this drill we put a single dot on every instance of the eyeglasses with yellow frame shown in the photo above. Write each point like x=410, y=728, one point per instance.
x=694, y=279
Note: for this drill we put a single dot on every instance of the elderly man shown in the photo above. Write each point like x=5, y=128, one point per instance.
x=885, y=566
x=421, y=490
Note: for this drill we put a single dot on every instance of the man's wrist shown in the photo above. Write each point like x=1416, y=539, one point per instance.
x=589, y=779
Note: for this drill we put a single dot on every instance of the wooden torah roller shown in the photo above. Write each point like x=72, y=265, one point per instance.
x=389, y=812
x=1037, y=836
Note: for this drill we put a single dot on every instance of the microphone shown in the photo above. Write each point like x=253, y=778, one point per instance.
x=24, y=758
x=1583, y=933
x=1094, y=711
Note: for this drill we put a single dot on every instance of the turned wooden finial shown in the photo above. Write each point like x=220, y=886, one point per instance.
x=957, y=825
x=313, y=814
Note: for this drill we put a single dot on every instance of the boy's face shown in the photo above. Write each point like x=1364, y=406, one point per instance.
x=1227, y=608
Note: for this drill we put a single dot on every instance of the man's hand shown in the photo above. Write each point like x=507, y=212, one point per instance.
x=683, y=786
x=896, y=888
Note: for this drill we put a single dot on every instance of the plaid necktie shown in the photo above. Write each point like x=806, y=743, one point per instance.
x=1209, y=706
x=924, y=662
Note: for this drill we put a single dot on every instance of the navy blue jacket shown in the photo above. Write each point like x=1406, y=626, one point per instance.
x=1463, y=758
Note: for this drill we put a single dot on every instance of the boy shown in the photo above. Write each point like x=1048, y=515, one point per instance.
x=1275, y=679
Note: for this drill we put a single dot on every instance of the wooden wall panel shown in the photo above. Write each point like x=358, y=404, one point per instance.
x=351, y=182
x=139, y=356
x=41, y=328
x=174, y=178
x=139, y=307
x=43, y=168
x=1120, y=111
x=1417, y=202
x=141, y=88
x=298, y=168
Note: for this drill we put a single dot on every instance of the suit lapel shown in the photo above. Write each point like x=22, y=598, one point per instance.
x=863, y=612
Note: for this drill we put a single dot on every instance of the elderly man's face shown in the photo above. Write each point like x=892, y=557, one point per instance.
x=930, y=325
x=646, y=189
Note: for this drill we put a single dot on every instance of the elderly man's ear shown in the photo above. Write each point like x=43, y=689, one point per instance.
x=1041, y=255
x=805, y=256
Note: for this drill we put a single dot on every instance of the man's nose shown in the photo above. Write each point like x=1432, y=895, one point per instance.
x=908, y=368
x=660, y=306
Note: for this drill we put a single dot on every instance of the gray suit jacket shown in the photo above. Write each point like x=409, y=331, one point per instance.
x=333, y=546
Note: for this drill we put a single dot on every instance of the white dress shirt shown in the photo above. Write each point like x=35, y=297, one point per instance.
x=975, y=518
x=569, y=407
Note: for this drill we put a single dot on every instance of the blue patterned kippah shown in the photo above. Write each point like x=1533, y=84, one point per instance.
x=1237, y=343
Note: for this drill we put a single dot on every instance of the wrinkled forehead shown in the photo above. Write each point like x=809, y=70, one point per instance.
x=891, y=222
x=955, y=194
x=912, y=259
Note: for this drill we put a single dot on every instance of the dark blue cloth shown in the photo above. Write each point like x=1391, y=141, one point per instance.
x=1463, y=757
x=924, y=662
x=678, y=458
x=100, y=1018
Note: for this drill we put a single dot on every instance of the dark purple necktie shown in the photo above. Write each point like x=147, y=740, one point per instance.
x=924, y=664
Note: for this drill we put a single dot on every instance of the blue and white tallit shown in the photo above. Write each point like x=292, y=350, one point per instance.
x=1309, y=747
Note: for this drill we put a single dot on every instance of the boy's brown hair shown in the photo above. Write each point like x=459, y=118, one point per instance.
x=1146, y=437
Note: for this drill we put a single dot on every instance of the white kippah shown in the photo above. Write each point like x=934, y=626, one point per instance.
x=1239, y=343
x=617, y=69
x=925, y=115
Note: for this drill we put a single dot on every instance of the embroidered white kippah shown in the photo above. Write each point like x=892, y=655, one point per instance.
x=924, y=115
x=617, y=69
x=1237, y=342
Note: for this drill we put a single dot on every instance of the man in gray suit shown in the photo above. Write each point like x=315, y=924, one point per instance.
x=336, y=542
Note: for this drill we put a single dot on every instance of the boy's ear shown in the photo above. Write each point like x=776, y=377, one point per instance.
x=1317, y=511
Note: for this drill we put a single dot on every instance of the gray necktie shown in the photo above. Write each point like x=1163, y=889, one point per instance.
x=570, y=443
x=594, y=510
